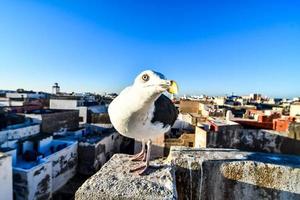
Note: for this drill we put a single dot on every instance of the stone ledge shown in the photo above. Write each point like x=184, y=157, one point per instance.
x=114, y=181
x=190, y=173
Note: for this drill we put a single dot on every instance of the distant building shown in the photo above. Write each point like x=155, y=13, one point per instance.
x=54, y=120
x=186, y=139
x=189, y=106
x=255, y=97
x=81, y=103
x=23, y=101
x=282, y=124
x=208, y=109
x=220, y=101
x=295, y=109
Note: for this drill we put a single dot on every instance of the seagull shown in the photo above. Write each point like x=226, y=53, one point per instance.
x=142, y=112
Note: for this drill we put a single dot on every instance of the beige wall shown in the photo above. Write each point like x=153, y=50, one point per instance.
x=200, y=137
x=295, y=110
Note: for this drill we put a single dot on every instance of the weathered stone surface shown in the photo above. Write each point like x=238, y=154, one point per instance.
x=114, y=181
x=232, y=174
x=200, y=174
x=256, y=140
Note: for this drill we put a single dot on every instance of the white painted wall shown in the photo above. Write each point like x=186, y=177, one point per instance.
x=13, y=154
x=25, y=95
x=69, y=153
x=220, y=101
x=63, y=104
x=18, y=133
x=83, y=113
x=44, y=144
x=184, y=121
x=70, y=105
x=4, y=103
x=36, y=118
x=16, y=103
x=6, y=177
x=31, y=181
x=13, y=144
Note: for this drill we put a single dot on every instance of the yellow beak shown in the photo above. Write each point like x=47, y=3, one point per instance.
x=173, y=89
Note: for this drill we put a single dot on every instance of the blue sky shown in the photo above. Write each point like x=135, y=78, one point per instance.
x=209, y=47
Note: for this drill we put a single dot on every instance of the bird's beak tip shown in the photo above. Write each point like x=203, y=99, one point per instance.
x=173, y=89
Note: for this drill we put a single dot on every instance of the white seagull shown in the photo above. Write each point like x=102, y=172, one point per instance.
x=142, y=112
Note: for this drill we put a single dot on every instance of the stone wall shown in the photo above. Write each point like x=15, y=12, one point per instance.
x=190, y=173
x=249, y=140
x=232, y=174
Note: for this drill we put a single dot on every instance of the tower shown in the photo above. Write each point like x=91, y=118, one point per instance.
x=55, y=88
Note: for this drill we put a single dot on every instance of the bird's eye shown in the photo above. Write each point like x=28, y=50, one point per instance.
x=145, y=77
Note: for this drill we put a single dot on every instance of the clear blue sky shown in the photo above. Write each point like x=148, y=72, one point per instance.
x=209, y=47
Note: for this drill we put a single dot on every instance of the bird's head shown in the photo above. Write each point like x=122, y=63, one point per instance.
x=155, y=83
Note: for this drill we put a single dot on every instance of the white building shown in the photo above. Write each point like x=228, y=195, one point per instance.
x=39, y=176
x=6, y=177
x=77, y=104
x=220, y=101
x=11, y=134
x=16, y=95
x=71, y=104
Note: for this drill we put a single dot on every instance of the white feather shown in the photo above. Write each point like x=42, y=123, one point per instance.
x=132, y=111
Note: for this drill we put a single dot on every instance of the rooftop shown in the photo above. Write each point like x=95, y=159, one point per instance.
x=222, y=122
x=17, y=126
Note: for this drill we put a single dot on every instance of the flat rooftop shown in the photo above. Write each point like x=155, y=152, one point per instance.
x=17, y=126
x=222, y=122
x=49, y=111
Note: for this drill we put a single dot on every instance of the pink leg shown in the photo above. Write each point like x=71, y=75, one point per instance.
x=144, y=166
x=141, y=155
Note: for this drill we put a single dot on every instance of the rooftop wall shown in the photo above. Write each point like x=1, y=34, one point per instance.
x=5, y=177
x=250, y=140
x=33, y=183
x=19, y=132
x=64, y=163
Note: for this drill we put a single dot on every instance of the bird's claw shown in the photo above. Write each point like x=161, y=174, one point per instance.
x=139, y=157
x=141, y=169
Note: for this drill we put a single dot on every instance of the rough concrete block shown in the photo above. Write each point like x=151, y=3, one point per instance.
x=232, y=174
x=114, y=181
